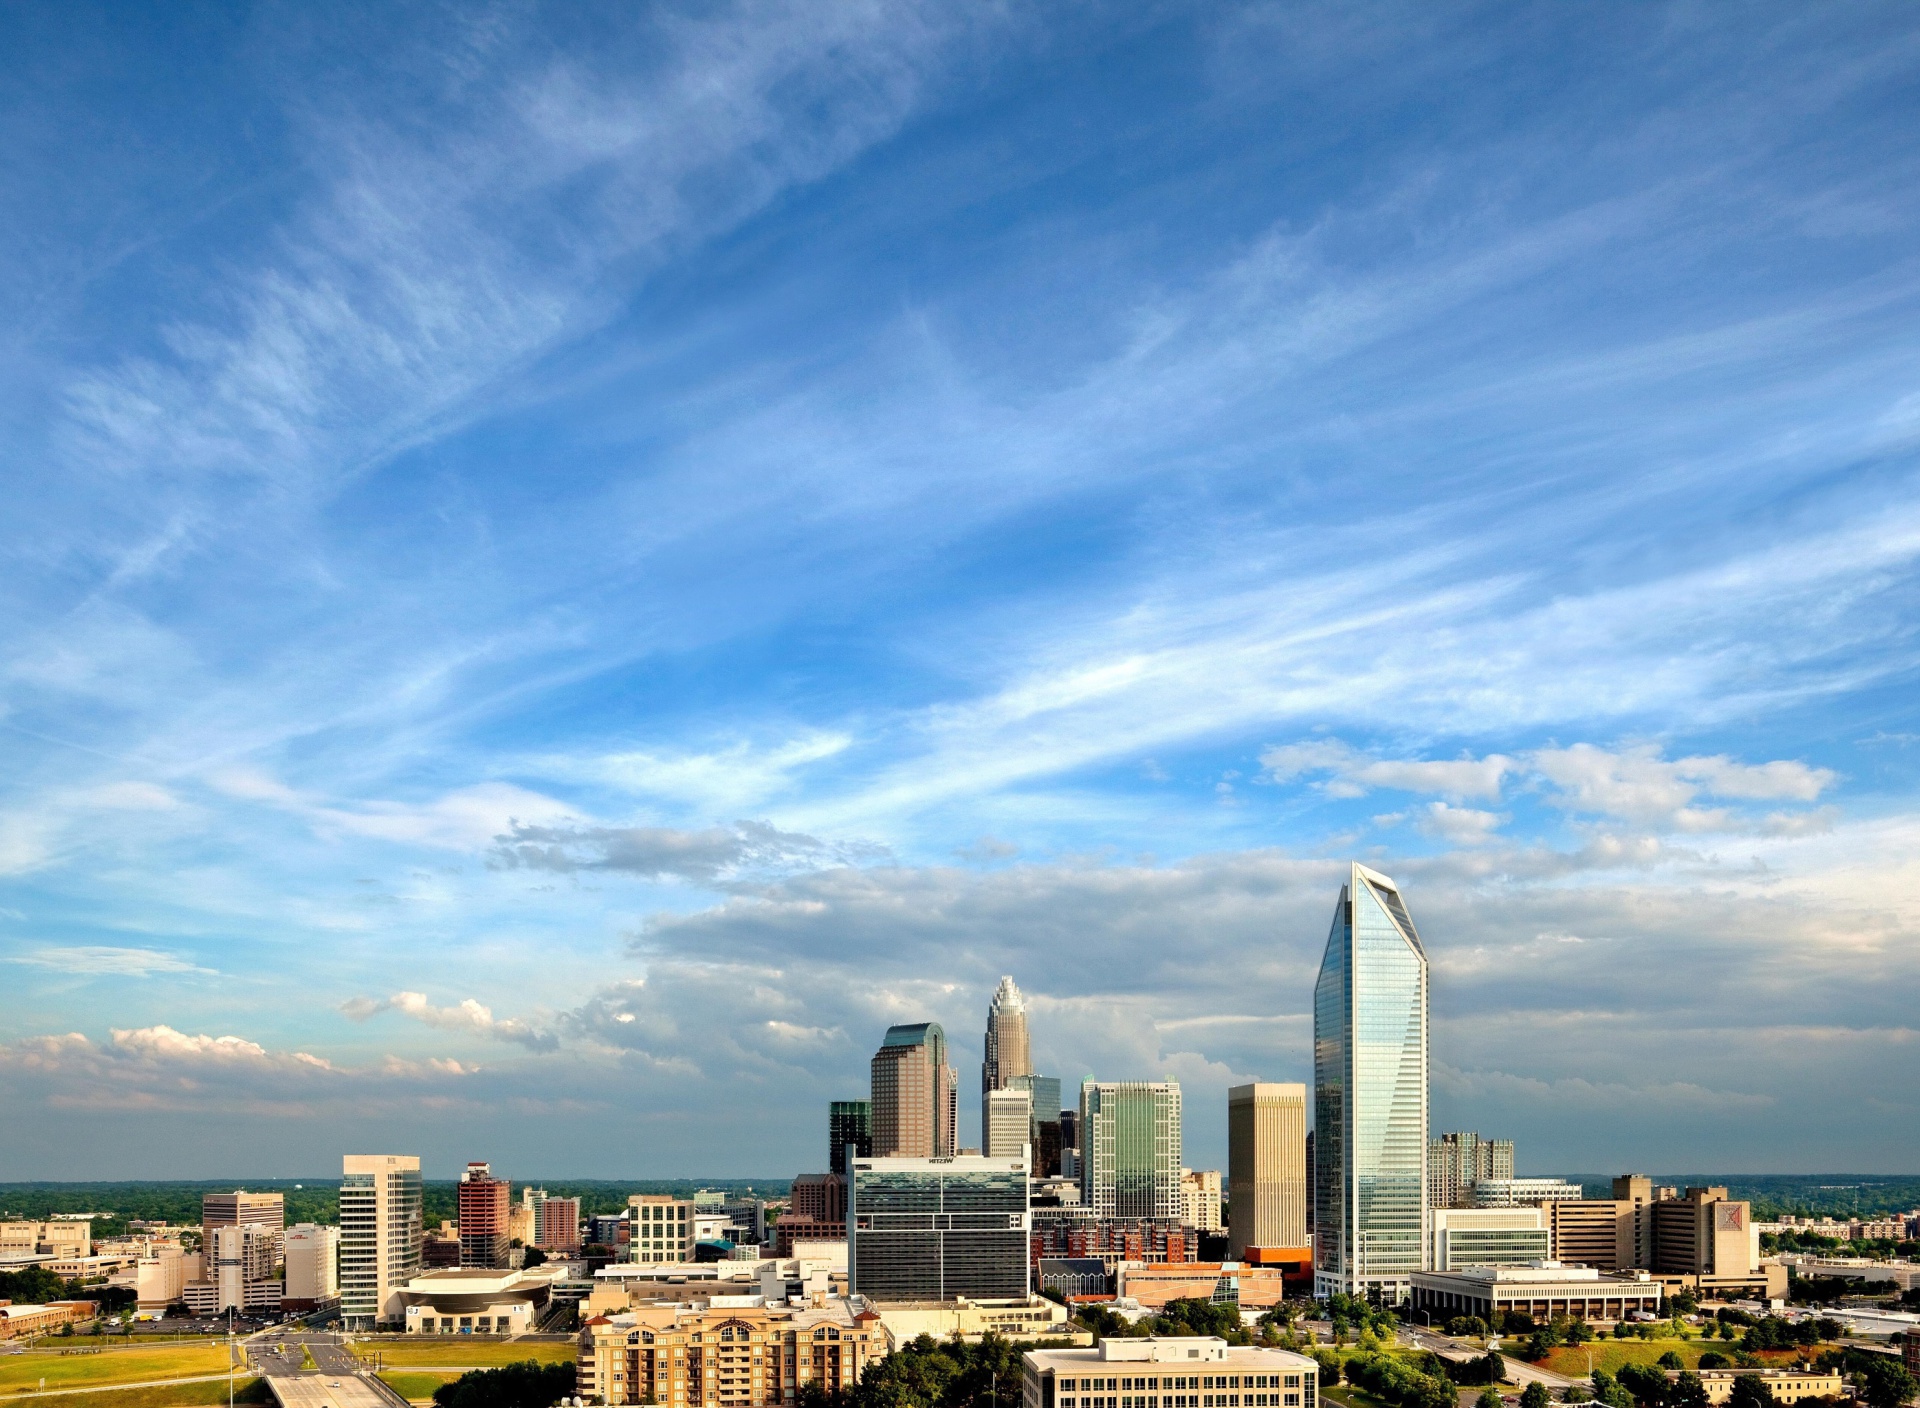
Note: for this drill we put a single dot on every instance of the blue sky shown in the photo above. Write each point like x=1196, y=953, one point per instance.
x=565, y=568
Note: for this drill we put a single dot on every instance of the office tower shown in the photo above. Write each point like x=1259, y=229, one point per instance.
x=1370, y=1095
x=483, y=1202
x=1046, y=1122
x=662, y=1227
x=1458, y=1163
x=1130, y=1148
x=1266, y=1167
x=243, y=1209
x=937, y=1229
x=1489, y=1237
x=1311, y=1184
x=915, y=1094
x=380, y=1232
x=1070, y=1144
x=1006, y=1123
x=559, y=1229
x=240, y=1261
x=1200, y=1198
x=313, y=1267
x=848, y=1122
x=1006, y=1046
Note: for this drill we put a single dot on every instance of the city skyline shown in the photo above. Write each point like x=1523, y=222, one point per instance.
x=566, y=571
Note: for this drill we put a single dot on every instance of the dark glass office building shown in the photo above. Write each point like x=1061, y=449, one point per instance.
x=935, y=1229
x=848, y=1122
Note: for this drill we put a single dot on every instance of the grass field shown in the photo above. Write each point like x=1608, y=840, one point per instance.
x=417, y=1387
x=159, y=1396
x=1610, y=1354
x=112, y=1366
x=463, y=1352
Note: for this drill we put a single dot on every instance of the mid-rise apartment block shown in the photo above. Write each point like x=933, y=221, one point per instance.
x=1200, y=1199
x=934, y=1229
x=1130, y=1148
x=1456, y=1162
x=1266, y=1167
x=483, y=1203
x=380, y=1234
x=559, y=1225
x=915, y=1094
x=662, y=1228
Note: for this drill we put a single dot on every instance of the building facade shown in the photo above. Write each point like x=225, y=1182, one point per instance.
x=1489, y=1237
x=1191, y=1372
x=1266, y=1166
x=717, y=1354
x=1200, y=1199
x=380, y=1234
x=243, y=1209
x=662, y=1227
x=313, y=1267
x=1522, y=1192
x=848, y=1122
x=1370, y=1095
x=1007, y=1050
x=483, y=1203
x=1456, y=1162
x=1007, y=1123
x=1130, y=1145
x=240, y=1261
x=915, y=1094
x=1541, y=1291
x=559, y=1226
x=935, y=1229
x=1047, y=1115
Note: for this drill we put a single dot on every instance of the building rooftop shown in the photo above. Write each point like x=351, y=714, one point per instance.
x=1535, y=1273
x=1157, y=1349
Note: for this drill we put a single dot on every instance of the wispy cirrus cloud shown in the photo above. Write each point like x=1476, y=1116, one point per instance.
x=104, y=960
x=466, y=1016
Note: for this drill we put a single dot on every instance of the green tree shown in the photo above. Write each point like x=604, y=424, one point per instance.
x=1534, y=1395
x=1489, y=1398
x=1884, y=1382
x=1749, y=1392
x=1494, y=1366
x=1713, y=1359
x=1577, y=1332
x=1687, y=1391
x=1672, y=1360
x=527, y=1384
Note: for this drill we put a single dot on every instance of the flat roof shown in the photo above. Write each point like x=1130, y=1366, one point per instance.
x=1157, y=1349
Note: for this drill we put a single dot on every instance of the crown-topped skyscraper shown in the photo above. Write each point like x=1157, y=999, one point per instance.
x=1007, y=1052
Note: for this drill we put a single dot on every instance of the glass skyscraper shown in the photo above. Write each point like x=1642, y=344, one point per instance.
x=1130, y=1149
x=934, y=1229
x=1370, y=1096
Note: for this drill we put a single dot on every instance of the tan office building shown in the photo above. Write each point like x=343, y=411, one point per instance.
x=1266, y=1167
x=716, y=1355
x=1783, y=1385
x=243, y=1209
x=1200, y=1199
x=1008, y=1126
x=1190, y=1372
x=65, y=1238
x=915, y=1095
x=662, y=1228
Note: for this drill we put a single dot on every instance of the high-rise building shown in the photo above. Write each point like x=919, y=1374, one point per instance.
x=1266, y=1167
x=380, y=1232
x=915, y=1094
x=1006, y=1123
x=1200, y=1198
x=240, y=1261
x=1047, y=1115
x=313, y=1267
x=1489, y=1237
x=1130, y=1148
x=1070, y=1144
x=559, y=1228
x=1007, y=1050
x=1458, y=1162
x=1370, y=1095
x=243, y=1209
x=848, y=1122
x=937, y=1229
x=662, y=1227
x=483, y=1202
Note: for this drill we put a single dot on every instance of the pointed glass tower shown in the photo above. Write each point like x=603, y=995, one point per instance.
x=1370, y=1096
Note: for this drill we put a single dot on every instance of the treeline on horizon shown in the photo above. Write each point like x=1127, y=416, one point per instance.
x=1775, y=1195
x=318, y=1199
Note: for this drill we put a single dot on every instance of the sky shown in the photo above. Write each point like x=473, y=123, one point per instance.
x=564, y=567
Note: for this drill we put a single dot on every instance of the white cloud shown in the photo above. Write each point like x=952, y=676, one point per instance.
x=469, y=1015
x=1638, y=784
x=95, y=960
x=466, y=819
x=1354, y=773
x=1463, y=826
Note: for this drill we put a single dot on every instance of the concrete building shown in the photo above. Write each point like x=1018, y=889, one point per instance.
x=816, y=1211
x=1238, y=1283
x=1266, y=1166
x=915, y=1094
x=523, y=1225
x=1130, y=1147
x=240, y=1261
x=1523, y=1192
x=380, y=1234
x=1008, y=1123
x=1782, y=1385
x=482, y=1203
x=727, y=1352
x=243, y=1209
x=1465, y=1237
x=1456, y=1162
x=848, y=1122
x=313, y=1267
x=61, y=1238
x=939, y=1229
x=1190, y=1372
x=662, y=1228
x=1007, y=1050
x=474, y=1300
x=1034, y=1318
x=1200, y=1199
x=1075, y=1232
x=559, y=1225
x=160, y=1276
x=1705, y=1241
x=1371, y=1229
x=1542, y=1291
x=20, y=1320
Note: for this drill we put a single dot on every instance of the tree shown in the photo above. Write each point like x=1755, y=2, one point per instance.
x=535, y=1257
x=1329, y=1369
x=1539, y=1343
x=1489, y=1398
x=1885, y=1383
x=1687, y=1391
x=1534, y=1395
x=1494, y=1366
x=1712, y=1359
x=1671, y=1360
x=1749, y=1392
x=527, y=1384
x=1647, y=1385
x=1577, y=1332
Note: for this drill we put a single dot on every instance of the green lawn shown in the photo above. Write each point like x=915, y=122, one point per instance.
x=462, y=1351
x=1612, y=1354
x=417, y=1387
x=160, y=1396
x=19, y=1372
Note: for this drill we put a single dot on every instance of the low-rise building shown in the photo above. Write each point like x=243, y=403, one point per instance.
x=1543, y=1290
x=61, y=1237
x=1035, y=1318
x=1523, y=1192
x=1074, y=1275
x=474, y=1300
x=19, y=1320
x=727, y=1352
x=1490, y=1237
x=1250, y=1286
x=1188, y=1372
x=1784, y=1385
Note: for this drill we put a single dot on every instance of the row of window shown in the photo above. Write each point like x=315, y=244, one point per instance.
x=1161, y=1381
x=1187, y=1400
